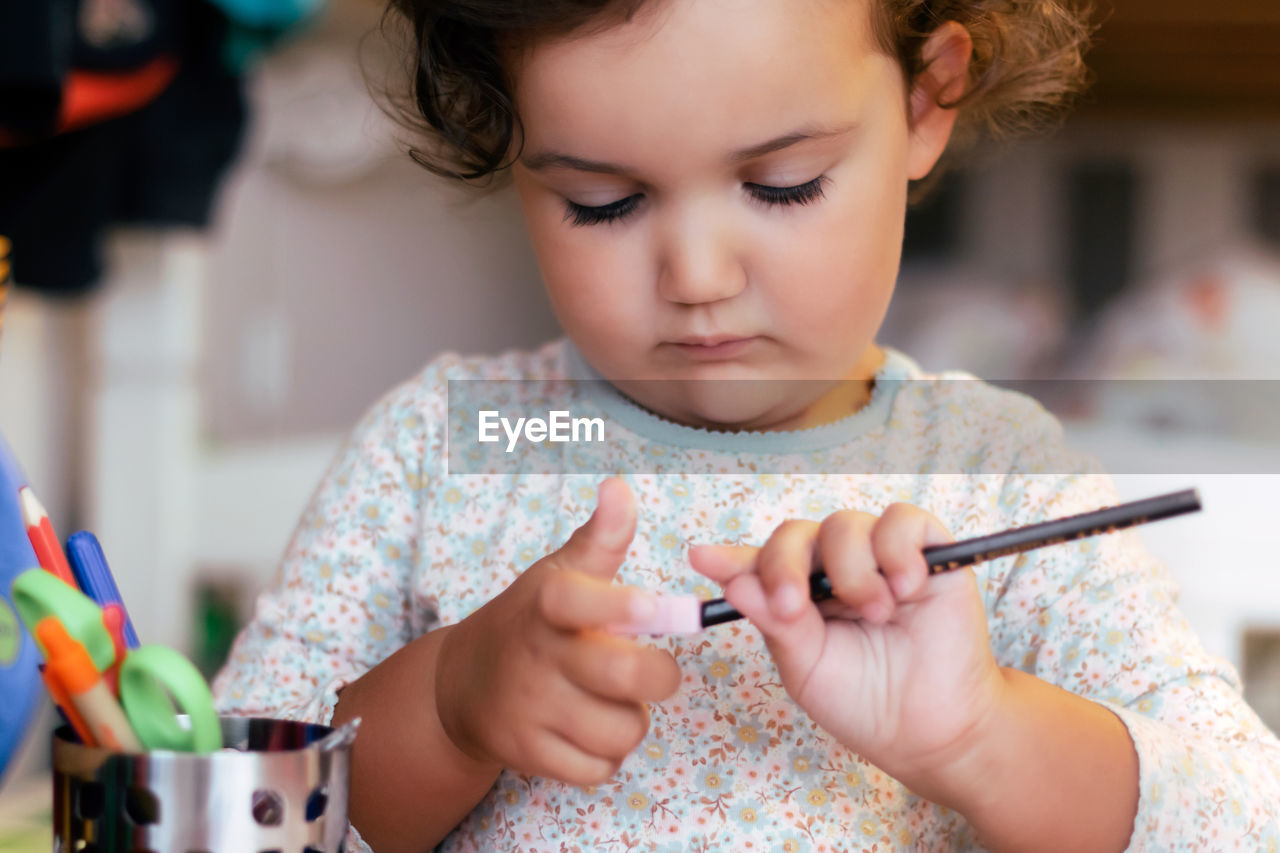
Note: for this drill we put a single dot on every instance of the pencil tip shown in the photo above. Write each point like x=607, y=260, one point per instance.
x=33, y=512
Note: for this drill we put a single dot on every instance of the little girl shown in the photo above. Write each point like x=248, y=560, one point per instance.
x=716, y=190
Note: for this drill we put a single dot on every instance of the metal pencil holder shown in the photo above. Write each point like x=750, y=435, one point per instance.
x=279, y=787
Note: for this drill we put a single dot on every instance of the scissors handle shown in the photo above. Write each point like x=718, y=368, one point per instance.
x=38, y=594
x=156, y=684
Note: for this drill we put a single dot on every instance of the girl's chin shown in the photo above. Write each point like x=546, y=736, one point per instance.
x=728, y=405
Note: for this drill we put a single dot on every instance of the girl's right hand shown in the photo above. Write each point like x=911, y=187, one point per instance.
x=534, y=682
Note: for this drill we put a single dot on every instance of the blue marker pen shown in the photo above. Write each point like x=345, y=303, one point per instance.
x=89, y=565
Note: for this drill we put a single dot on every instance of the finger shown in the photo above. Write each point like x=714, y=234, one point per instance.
x=602, y=728
x=549, y=753
x=898, y=540
x=599, y=546
x=722, y=563
x=573, y=600
x=844, y=547
x=784, y=565
x=795, y=642
x=617, y=669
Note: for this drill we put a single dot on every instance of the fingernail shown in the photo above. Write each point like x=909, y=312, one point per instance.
x=788, y=599
x=901, y=585
x=876, y=612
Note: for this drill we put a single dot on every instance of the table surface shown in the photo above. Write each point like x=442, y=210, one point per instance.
x=26, y=815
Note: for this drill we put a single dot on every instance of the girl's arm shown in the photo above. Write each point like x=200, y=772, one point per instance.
x=1114, y=708
x=1050, y=771
x=399, y=802
x=528, y=682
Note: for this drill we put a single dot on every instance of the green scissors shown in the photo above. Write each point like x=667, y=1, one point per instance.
x=156, y=682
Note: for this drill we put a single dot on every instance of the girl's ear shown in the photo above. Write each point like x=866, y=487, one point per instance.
x=945, y=57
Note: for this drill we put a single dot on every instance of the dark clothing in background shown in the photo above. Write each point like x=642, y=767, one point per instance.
x=35, y=56
x=159, y=165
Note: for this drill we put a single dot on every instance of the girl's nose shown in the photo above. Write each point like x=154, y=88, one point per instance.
x=700, y=266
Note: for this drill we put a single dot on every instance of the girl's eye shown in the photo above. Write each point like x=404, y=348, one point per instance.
x=805, y=193
x=581, y=214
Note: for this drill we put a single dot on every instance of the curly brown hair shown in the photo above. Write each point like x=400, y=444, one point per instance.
x=1026, y=69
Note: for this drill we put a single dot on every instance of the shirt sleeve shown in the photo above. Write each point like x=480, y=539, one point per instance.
x=342, y=601
x=1099, y=617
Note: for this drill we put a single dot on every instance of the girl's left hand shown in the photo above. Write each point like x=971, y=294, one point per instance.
x=898, y=667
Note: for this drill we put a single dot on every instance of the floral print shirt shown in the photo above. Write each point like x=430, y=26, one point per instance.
x=401, y=538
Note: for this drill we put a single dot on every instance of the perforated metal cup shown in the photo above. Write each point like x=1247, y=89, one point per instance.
x=276, y=788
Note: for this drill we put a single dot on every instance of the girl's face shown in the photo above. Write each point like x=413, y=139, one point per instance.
x=716, y=190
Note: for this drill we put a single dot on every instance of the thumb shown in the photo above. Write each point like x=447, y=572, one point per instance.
x=598, y=547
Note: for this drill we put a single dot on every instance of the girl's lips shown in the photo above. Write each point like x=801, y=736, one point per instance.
x=708, y=350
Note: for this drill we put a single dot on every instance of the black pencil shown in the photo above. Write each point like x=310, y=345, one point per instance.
x=945, y=558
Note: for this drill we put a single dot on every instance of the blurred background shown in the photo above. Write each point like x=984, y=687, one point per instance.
x=179, y=362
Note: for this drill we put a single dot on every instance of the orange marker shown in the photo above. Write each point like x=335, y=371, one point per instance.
x=69, y=663
x=43, y=540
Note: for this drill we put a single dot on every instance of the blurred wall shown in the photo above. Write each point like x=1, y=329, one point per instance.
x=339, y=266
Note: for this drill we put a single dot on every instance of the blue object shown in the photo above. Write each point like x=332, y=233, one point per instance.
x=256, y=25
x=89, y=565
x=269, y=14
x=20, y=684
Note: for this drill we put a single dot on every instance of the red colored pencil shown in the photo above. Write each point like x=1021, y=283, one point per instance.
x=43, y=539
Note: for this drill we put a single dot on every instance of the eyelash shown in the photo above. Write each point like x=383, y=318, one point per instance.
x=806, y=193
